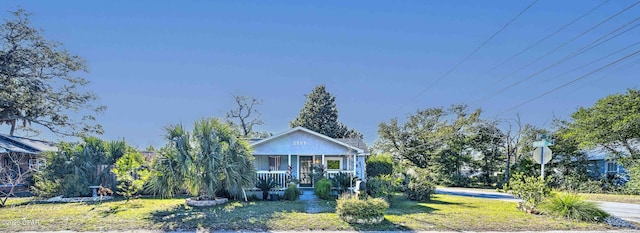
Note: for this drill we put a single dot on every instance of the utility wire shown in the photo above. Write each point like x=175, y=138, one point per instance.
x=591, y=63
x=545, y=38
x=582, y=50
x=576, y=37
x=573, y=81
x=469, y=55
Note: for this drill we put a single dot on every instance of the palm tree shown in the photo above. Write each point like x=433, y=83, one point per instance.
x=209, y=160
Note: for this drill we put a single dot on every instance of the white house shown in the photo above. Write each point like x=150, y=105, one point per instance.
x=297, y=149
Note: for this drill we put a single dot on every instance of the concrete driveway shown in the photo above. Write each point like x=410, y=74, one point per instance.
x=629, y=212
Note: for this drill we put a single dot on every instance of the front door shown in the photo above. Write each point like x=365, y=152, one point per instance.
x=305, y=171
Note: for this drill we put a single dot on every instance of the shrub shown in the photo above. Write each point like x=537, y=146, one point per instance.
x=131, y=174
x=633, y=186
x=532, y=190
x=323, y=189
x=45, y=187
x=351, y=209
x=75, y=186
x=590, y=186
x=75, y=166
x=381, y=164
x=381, y=186
x=292, y=192
x=265, y=185
x=573, y=207
x=420, y=189
x=318, y=172
x=341, y=181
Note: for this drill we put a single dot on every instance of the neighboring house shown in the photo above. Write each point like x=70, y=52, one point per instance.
x=25, y=151
x=601, y=165
x=297, y=150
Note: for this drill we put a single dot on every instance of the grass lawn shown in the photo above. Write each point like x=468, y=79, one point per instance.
x=633, y=199
x=442, y=213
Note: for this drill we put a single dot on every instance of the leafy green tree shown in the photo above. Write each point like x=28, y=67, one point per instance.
x=132, y=174
x=436, y=139
x=523, y=160
x=208, y=161
x=321, y=115
x=612, y=123
x=487, y=140
x=40, y=83
x=569, y=164
x=633, y=186
x=380, y=164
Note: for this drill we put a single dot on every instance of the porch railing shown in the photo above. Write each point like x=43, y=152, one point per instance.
x=278, y=176
x=332, y=173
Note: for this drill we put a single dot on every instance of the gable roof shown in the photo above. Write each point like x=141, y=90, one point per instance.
x=302, y=129
x=356, y=142
x=24, y=145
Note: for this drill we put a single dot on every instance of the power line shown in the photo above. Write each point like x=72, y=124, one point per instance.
x=582, y=50
x=470, y=54
x=573, y=81
x=576, y=37
x=546, y=37
x=592, y=62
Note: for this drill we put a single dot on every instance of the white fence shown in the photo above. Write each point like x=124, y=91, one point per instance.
x=279, y=176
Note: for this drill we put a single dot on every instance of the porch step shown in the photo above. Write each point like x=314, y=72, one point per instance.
x=308, y=195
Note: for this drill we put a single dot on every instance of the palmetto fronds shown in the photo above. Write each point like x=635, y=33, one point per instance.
x=208, y=160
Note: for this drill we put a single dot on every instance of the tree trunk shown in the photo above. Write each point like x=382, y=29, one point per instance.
x=506, y=174
x=13, y=127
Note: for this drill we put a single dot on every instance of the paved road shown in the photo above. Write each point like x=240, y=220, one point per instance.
x=629, y=212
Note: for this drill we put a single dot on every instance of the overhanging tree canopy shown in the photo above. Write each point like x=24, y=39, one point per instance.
x=612, y=123
x=40, y=82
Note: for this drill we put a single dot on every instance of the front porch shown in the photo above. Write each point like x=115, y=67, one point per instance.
x=302, y=168
x=299, y=154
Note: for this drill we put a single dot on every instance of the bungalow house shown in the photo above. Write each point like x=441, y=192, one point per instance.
x=601, y=166
x=24, y=152
x=296, y=151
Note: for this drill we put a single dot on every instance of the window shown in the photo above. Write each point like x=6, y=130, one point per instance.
x=274, y=163
x=37, y=164
x=611, y=167
x=334, y=163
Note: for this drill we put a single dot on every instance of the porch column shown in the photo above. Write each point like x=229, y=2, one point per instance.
x=322, y=162
x=289, y=159
x=355, y=161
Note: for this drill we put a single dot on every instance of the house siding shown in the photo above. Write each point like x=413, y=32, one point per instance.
x=262, y=162
x=300, y=143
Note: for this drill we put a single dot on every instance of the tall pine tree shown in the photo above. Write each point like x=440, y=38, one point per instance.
x=321, y=115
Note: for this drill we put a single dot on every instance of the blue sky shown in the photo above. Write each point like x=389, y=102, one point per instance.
x=153, y=63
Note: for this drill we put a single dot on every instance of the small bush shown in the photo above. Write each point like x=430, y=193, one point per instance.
x=590, y=186
x=573, y=207
x=265, y=185
x=323, y=189
x=75, y=186
x=532, y=190
x=350, y=209
x=420, y=189
x=45, y=188
x=381, y=186
x=633, y=186
x=342, y=182
x=381, y=164
x=292, y=192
